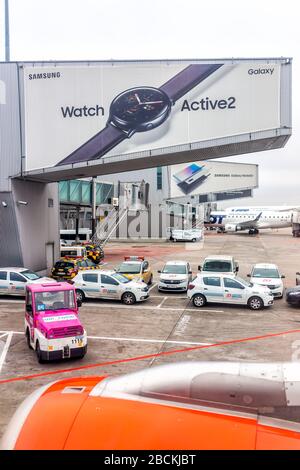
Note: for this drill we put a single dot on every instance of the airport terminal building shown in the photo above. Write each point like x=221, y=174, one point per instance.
x=136, y=136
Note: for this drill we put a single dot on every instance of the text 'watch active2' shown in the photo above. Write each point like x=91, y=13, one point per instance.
x=139, y=109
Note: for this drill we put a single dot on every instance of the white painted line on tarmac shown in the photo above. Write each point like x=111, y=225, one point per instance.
x=141, y=340
x=154, y=285
x=4, y=334
x=5, y=349
x=147, y=307
x=144, y=307
x=163, y=300
x=138, y=340
x=14, y=332
x=169, y=297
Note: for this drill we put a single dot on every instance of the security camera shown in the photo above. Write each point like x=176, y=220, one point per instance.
x=4, y=204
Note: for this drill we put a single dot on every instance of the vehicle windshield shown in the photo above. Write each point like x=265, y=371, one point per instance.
x=63, y=264
x=128, y=268
x=242, y=281
x=217, y=266
x=174, y=269
x=54, y=300
x=72, y=253
x=120, y=278
x=265, y=272
x=32, y=276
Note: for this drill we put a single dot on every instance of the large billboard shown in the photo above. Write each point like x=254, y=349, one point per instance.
x=76, y=113
x=205, y=177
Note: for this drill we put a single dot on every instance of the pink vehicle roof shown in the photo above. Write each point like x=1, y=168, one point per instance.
x=63, y=321
x=56, y=286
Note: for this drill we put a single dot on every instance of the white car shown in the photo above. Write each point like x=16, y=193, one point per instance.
x=221, y=288
x=267, y=274
x=175, y=276
x=109, y=285
x=14, y=280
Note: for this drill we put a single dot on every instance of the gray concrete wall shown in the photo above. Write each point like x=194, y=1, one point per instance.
x=10, y=246
x=38, y=223
x=10, y=130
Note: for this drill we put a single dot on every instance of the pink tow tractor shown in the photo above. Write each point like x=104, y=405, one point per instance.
x=52, y=324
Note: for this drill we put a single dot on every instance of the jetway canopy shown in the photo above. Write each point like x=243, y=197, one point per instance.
x=123, y=163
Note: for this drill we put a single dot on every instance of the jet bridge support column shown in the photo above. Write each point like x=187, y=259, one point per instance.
x=34, y=213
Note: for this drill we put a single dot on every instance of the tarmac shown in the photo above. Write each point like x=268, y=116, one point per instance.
x=166, y=327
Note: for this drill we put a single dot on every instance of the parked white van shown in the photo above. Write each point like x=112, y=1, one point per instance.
x=191, y=235
x=73, y=251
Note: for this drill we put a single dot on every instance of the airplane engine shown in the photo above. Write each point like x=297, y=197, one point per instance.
x=189, y=405
x=232, y=228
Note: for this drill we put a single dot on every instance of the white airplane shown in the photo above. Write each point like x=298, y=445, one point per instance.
x=235, y=219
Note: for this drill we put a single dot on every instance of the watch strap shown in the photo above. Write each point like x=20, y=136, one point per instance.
x=96, y=146
x=187, y=79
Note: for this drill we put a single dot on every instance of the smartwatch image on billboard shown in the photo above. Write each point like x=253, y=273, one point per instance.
x=140, y=109
x=191, y=177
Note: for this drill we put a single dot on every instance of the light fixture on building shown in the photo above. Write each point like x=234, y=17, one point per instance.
x=22, y=203
x=4, y=204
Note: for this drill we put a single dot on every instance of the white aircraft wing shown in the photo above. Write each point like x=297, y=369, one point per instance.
x=250, y=223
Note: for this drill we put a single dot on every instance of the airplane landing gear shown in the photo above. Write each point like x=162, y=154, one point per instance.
x=253, y=231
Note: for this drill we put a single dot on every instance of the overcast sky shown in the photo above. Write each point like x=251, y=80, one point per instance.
x=156, y=29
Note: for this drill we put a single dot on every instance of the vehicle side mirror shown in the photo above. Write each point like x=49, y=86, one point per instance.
x=248, y=275
x=190, y=272
x=199, y=267
x=298, y=274
x=159, y=272
x=237, y=269
x=79, y=303
x=283, y=276
x=29, y=308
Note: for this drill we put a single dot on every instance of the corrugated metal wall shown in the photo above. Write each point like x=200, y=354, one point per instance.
x=10, y=140
x=10, y=247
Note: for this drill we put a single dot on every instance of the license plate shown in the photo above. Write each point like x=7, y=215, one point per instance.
x=78, y=342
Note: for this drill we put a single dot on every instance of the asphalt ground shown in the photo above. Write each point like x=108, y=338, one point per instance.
x=165, y=328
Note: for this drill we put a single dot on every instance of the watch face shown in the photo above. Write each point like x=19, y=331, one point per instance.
x=140, y=109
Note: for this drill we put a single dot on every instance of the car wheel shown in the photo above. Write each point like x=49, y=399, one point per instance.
x=80, y=295
x=255, y=303
x=199, y=300
x=28, y=339
x=150, y=280
x=194, y=239
x=38, y=353
x=174, y=240
x=128, y=298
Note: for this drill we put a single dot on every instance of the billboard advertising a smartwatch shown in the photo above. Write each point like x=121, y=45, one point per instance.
x=196, y=178
x=77, y=113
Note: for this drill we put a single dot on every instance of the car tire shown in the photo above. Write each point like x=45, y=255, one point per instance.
x=38, y=353
x=194, y=240
x=28, y=339
x=199, y=300
x=149, y=283
x=80, y=295
x=128, y=298
x=174, y=240
x=255, y=303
